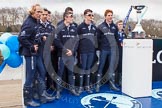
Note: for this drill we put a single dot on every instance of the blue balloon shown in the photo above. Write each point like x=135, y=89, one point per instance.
x=5, y=51
x=13, y=43
x=14, y=60
x=2, y=66
x=4, y=37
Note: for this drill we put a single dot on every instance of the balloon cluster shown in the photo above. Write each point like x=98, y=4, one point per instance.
x=9, y=46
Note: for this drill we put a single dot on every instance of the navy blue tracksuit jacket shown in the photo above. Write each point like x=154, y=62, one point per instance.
x=27, y=36
x=87, y=38
x=66, y=38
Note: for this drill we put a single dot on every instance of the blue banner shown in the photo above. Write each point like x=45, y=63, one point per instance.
x=157, y=60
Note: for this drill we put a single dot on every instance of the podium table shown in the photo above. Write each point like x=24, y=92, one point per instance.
x=137, y=67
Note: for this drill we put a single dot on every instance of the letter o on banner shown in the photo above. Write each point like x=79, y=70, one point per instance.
x=13, y=43
x=5, y=51
x=14, y=60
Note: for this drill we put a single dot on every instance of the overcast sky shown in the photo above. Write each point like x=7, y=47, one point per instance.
x=120, y=7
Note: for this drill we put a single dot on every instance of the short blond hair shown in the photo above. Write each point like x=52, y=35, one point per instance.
x=33, y=9
x=120, y=21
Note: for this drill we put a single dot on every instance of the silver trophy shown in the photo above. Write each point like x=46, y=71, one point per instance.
x=138, y=31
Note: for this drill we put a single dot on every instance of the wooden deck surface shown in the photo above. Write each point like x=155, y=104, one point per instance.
x=10, y=94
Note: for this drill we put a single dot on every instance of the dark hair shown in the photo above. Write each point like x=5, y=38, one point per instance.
x=66, y=14
x=108, y=11
x=68, y=9
x=87, y=10
x=49, y=12
x=45, y=9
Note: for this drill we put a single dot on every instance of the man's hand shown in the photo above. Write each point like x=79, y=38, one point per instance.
x=52, y=48
x=35, y=48
x=69, y=52
x=121, y=44
x=44, y=38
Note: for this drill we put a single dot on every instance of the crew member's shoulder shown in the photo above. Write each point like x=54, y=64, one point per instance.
x=101, y=25
x=74, y=24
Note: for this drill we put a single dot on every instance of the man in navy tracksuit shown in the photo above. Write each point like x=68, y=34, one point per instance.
x=73, y=24
x=107, y=42
x=29, y=47
x=66, y=42
x=44, y=29
x=87, y=33
x=121, y=36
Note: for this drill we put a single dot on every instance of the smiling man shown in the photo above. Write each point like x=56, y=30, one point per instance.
x=107, y=41
x=30, y=49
